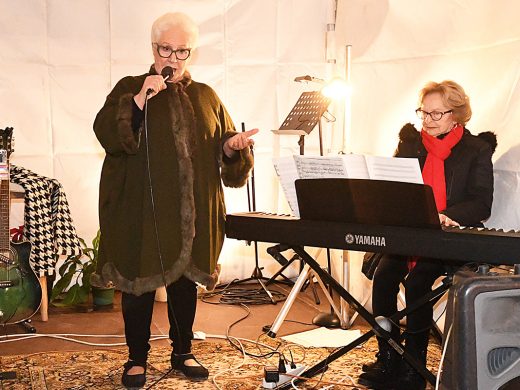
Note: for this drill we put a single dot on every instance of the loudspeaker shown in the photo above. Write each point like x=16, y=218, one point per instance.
x=482, y=333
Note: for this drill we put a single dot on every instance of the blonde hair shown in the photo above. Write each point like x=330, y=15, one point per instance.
x=453, y=96
x=175, y=20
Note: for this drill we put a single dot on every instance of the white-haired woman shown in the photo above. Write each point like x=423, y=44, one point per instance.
x=170, y=144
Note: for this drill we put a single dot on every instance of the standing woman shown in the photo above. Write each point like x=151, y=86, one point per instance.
x=169, y=145
x=457, y=165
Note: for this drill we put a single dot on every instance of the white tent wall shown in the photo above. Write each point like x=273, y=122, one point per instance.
x=399, y=45
x=60, y=58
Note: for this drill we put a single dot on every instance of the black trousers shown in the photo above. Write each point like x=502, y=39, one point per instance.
x=137, y=315
x=393, y=270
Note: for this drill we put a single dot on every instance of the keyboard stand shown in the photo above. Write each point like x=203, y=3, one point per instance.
x=304, y=274
x=377, y=328
x=276, y=252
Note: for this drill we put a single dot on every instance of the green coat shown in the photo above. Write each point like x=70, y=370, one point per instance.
x=187, y=171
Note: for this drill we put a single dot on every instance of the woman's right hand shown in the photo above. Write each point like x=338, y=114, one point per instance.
x=447, y=221
x=154, y=83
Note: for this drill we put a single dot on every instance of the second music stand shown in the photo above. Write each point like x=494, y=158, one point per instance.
x=304, y=117
x=301, y=120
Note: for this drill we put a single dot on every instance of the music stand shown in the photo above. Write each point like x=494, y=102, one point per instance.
x=301, y=120
x=304, y=117
x=256, y=275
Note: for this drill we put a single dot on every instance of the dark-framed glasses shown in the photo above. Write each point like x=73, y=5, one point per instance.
x=434, y=115
x=167, y=51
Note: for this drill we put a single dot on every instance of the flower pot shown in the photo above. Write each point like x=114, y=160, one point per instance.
x=103, y=296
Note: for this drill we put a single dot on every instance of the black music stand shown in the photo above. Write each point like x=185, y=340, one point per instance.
x=301, y=120
x=304, y=117
x=367, y=202
x=256, y=275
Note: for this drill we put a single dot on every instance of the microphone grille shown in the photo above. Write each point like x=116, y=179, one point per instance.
x=167, y=71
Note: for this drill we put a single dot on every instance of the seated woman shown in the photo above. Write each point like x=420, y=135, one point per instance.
x=457, y=165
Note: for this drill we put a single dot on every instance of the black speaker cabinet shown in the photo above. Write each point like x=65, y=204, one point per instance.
x=483, y=347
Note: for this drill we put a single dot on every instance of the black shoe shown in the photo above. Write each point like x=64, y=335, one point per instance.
x=381, y=356
x=133, y=381
x=384, y=372
x=376, y=365
x=193, y=372
x=379, y=380
x=416, y=344
x=410, y=379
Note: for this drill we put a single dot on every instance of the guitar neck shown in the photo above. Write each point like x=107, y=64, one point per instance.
x=4, y=202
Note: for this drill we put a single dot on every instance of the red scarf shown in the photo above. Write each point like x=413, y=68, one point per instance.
x=433, y=170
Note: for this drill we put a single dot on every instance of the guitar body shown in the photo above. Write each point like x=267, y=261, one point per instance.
x=20, y=290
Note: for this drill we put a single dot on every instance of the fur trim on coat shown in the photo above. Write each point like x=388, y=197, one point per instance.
x=126, y=141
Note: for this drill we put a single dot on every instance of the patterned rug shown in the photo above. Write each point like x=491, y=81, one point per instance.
x=102, y=369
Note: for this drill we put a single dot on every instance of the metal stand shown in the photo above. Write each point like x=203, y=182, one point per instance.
x=301, y=120
x=331, y=319
x=256, y=275
x=346, y=321
x=304, y=274
x=276, y=252
x=378, y=324
x=27, y=325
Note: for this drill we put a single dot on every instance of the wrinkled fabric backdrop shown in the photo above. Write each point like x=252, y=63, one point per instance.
x=60, y=58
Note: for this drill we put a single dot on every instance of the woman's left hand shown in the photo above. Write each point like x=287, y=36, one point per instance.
x=239, y=141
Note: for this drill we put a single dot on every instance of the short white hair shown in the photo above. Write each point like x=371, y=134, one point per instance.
x=176, y=20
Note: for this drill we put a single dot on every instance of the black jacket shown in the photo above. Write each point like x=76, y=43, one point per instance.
x=468, y=171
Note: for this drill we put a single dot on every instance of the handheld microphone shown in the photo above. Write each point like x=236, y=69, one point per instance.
x=166, y=73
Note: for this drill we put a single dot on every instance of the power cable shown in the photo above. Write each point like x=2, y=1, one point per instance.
x=238, y=296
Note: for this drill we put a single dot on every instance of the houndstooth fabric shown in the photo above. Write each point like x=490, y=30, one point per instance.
x=48, y=225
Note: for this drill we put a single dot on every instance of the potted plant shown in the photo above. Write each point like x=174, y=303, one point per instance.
x=75, y=274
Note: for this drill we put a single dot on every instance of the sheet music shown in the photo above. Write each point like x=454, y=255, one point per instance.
x=319, y=167
x=285, y=168
x=394, y=169
x=356, y=166
x=349, y=166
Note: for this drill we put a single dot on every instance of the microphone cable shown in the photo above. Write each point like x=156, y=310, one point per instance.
x=156, y=230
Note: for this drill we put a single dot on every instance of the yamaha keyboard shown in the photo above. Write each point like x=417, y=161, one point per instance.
x=462, y=244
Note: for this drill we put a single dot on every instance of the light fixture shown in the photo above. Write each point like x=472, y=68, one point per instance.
x=337, y=88
x=307, y=78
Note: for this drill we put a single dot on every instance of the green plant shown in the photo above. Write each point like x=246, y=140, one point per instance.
x=75, y=274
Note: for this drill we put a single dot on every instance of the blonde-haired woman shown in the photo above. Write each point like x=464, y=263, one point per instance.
x=457, y=165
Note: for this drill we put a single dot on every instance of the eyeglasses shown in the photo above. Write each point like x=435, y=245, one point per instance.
x=434, y=115
x=167, y=51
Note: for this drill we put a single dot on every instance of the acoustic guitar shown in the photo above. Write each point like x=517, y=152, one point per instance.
x=20, y=290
